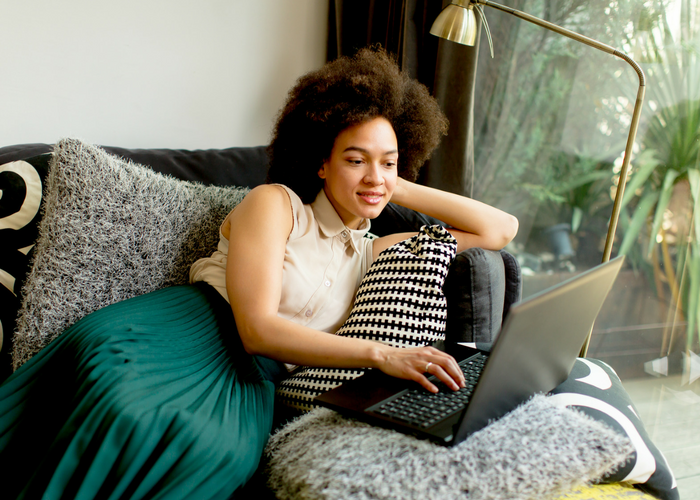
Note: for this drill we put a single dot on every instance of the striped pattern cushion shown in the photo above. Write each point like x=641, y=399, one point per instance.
x=399, y=302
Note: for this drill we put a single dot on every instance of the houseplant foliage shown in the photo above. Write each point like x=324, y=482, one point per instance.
x=661, y=206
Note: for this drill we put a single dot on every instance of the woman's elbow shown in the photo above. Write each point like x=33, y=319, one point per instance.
x=250, y=347
x=504, y=232
x=252, y=341
x=510, y=229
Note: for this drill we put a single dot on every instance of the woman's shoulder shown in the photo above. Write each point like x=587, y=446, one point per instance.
x=274, y=192
x=271, y=201
x=269, y=197
x=294, y=199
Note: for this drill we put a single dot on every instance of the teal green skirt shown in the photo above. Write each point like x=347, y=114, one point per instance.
x=152, y=397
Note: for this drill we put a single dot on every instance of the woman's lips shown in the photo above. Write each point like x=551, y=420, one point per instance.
x=371, y=198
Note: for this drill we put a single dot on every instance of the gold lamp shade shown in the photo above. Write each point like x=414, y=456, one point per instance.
x=457, y=23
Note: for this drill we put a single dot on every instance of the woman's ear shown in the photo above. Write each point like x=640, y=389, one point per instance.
x=322, y=170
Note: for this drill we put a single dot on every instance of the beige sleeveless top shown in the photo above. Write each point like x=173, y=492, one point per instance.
x=324, y=262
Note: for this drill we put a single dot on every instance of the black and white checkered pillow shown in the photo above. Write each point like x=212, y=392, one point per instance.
x=399, y=302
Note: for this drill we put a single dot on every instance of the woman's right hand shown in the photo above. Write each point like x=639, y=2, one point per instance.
x=418, y=363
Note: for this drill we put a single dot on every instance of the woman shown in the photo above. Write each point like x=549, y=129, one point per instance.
x=345, y=134
x=158, y=396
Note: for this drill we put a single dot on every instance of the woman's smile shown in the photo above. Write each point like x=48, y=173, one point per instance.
x=371, y=197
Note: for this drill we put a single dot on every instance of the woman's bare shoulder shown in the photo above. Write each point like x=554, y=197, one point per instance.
x=267, y=193
x=263, y=206
x=266, y=198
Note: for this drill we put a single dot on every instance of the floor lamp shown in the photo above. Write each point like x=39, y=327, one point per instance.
x=457, y=23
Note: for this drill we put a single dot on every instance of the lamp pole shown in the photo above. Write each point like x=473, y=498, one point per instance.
x=636, y=113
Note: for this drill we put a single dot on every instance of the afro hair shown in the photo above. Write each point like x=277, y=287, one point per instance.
x=343, y=93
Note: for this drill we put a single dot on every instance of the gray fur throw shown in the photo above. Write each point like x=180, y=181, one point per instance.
x=537, y=451
x=111, y=230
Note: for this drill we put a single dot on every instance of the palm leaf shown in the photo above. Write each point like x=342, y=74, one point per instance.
x=638, y=220
x=693, y=304
x=664, y=198
x=693, y=294
x=694, y=179
x=647, y=162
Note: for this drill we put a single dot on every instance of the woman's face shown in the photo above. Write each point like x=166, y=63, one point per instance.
x=361, y=173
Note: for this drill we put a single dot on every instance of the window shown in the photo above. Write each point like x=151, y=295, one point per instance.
x=551, y=120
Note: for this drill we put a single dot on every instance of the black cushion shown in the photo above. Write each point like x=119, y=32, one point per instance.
x=21, y=189
x=480, y=288
x=397, y=219
x=594, y=388
x=245, y=166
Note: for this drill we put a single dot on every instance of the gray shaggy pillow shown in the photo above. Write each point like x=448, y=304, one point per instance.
x=537, y=451
x=111, y=230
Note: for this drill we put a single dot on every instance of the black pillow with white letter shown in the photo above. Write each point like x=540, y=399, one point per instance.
x=399, y=302
x=594, y=388
x=21, y=188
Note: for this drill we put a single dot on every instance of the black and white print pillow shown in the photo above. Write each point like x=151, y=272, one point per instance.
x=594, y=388
x=21, y=187
x=399, y=302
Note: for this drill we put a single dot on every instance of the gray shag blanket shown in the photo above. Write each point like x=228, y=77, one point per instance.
x=538, y=451
x=111, y=230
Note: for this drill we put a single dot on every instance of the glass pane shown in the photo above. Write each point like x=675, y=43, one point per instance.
x=552, y=118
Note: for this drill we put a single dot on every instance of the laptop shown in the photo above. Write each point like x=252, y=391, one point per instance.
x=534, y=352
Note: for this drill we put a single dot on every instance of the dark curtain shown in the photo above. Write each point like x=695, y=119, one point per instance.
x=446, y=68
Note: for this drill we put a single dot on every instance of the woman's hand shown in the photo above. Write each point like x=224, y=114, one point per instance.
x=418, y=363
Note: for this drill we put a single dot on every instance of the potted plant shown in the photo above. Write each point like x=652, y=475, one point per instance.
x=661, y=206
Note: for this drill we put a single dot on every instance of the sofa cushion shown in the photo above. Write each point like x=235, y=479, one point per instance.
x=244, y=166
x=241, y=166
x=21, y=188
x=594, y=388
x=399, y=302
x=397, y=219
x=480, y=288
x=111, y=230
x=536, y=451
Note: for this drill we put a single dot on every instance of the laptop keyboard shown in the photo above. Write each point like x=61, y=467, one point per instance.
x=424, y=409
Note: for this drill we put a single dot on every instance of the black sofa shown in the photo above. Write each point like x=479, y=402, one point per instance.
x=480, y=287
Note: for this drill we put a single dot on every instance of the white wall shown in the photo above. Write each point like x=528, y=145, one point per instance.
x=153, y=73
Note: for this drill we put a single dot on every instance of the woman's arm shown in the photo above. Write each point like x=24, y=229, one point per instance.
x=258, y=230
x=475, y=224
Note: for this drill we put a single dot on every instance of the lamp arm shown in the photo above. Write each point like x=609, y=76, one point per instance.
x=636, y=114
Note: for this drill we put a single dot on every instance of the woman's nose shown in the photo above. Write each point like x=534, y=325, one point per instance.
x=373, y=175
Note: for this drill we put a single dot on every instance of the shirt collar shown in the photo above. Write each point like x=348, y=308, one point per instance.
x=332, y=225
